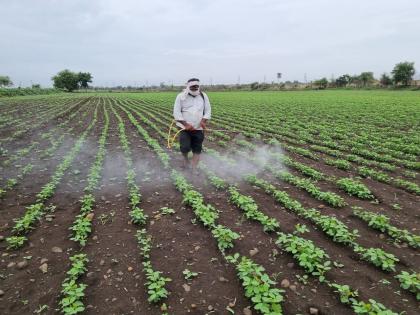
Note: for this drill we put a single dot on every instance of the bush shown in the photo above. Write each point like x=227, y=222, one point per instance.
x=26, y=91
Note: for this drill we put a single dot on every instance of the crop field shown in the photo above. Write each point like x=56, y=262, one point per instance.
x=306, y=203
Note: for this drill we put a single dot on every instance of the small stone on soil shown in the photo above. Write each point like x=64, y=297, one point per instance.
x=253, y=252
x=186, y=287
x=22, y=264
x=11, y=264
x=44, y=268
x=247, y=311
x=56, y=249
x=313, y=311
x=285, y=283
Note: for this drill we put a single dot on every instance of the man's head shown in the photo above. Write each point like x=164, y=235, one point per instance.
x=193, y=86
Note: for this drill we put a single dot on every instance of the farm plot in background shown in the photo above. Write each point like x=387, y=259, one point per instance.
x=306, y=203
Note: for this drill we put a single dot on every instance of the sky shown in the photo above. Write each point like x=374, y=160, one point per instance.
x=137, y=42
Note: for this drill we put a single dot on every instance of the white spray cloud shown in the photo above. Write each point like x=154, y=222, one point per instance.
x=242, y=162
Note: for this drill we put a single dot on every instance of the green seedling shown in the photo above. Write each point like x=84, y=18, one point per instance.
x=166, y=210
x=188, y=274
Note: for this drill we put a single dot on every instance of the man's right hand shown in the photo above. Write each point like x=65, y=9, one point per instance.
x=188, y=127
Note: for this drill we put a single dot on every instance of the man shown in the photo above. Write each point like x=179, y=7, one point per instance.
x=192, y=111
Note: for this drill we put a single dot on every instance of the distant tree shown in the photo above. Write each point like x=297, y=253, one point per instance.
x=366, y=78
x=343, y=80
x=36, y=86
x=254, y=85
x=71, y=81
x=355, y=79
x=321, y=83
x=66, y=80
x=84, y=78
x=385, y=80
x=403, y=72
x=263, y=86
x=332, y=83
x=5, y=81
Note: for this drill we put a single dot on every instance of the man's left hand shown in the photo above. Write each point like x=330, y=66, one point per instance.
x=203, y=124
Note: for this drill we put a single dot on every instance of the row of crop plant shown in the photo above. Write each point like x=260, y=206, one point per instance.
x=72, y=292
x=37, y=210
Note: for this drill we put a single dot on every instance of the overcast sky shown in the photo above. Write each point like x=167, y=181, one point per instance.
x=136, y=42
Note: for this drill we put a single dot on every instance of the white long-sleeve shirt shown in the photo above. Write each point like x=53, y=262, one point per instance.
x=192, y=109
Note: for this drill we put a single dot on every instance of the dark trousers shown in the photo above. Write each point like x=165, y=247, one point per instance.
x=191, y=141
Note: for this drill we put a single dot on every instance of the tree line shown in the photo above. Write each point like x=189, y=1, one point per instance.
x=401, y=75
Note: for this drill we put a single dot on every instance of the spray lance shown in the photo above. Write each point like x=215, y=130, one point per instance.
x=171, y=139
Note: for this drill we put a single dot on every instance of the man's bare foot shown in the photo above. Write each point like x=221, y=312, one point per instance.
x=185, y=165
x=195, y=160
x=195, y=171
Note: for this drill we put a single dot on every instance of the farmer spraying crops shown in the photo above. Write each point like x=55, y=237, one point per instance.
x=192, y=110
